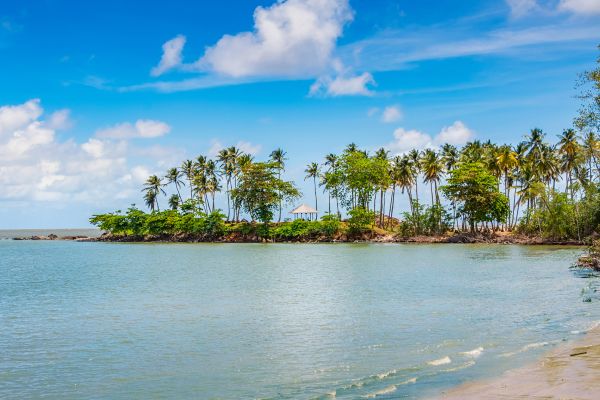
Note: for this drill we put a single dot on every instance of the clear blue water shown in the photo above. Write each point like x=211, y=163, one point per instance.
x=285, y=321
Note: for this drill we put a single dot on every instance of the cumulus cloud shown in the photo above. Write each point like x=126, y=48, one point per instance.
x=60, y=119
x=171, y=56
x=290, y=38
x=457, y=134
x=391, y=114
x=358, y=85
x=405, y=140
x=246, y=147
x=36, y=166
x=142, y=128
x=580, y=6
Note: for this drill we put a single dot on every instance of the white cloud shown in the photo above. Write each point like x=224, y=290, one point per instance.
x=171, y=57
x=60, y=120
x=143, y=128
x=406, y=140
x=457, y=134
x=519, y=8
x=391, y=114
x=580, y=6
x=290, y=38
x=343, y=86
x=246, y=147
x=14, y=117
x=36, y=166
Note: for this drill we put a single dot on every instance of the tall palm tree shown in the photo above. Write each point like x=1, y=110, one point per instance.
x=312, y=171
x=154, y=186
x=414, y=156
x=187, y=167
x=331, y=161
x=433, y=168
x=591, y=150
x=569, y=149
x=174, y=176
x=278, y=157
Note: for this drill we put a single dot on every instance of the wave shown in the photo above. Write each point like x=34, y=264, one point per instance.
x=441, y=361
x=462, y=366
x=390, y=389
x=525, y=348
x=473, y=353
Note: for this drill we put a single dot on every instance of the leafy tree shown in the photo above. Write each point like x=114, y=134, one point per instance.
x=475, y=190
x=259, y=191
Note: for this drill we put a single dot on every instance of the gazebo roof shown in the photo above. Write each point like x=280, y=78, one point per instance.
x=304, y=209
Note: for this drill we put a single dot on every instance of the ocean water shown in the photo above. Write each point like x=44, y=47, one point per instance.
x=277, y=321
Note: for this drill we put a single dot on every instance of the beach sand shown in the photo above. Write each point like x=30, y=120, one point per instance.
x=571, y=371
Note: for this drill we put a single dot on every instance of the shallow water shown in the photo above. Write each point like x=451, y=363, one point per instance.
x=284, y=321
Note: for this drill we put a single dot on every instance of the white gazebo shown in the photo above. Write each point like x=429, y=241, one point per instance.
x=305, y=212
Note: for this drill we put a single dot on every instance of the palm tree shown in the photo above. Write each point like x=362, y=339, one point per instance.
x=155, y=186
x=569, y=150
x=174, y=202
x=278, y=157
x=414, y=156
x=312, y=171
x=174, y=176
x=150, y=200
x=591, y=150
x=187, y=167
x=331, y=161
x=433, y=168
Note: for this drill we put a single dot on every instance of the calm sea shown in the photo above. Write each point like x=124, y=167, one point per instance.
x=284, y=321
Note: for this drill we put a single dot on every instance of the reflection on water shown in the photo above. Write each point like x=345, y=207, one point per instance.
x=89, y=320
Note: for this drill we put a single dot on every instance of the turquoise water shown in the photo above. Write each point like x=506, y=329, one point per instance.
x=284, y=321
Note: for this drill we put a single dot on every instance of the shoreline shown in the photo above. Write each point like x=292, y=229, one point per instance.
x=459, y=238
x=570, y=371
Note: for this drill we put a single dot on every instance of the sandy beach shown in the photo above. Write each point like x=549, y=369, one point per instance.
x=571, y=371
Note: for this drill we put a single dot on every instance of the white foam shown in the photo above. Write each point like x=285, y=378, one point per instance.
x=525, y=348
x=463, y=366
x=441, y=361
x=473, y=353
x=386, y=374
x=387, y=390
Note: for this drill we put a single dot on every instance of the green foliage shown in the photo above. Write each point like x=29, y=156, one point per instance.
x=361, y=220
x=559, y=217
x=474, y=190
x=260, y=191
x=422, y=220
x=555, y=219
x=330, y=225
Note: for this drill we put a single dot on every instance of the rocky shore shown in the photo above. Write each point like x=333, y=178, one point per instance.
x=52, y=236
x=490, y=238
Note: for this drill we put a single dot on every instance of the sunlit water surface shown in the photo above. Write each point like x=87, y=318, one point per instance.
x=285, y=321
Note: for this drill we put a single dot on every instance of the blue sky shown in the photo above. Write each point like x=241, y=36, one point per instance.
x=95, y=95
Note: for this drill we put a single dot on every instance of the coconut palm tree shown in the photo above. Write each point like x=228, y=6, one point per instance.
x=569, y=150
x=591, y=150
x=278, y=157
x=331, y=161
x=312, y=171
x=174, y=176
x=187, y=167
x=414, y=157
x=174, y=202
x=153, y=185
x=433, y=168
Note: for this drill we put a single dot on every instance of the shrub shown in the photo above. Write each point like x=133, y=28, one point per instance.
x=361, y=220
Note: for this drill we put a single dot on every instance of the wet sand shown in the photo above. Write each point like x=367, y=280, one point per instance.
x=571, y=371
